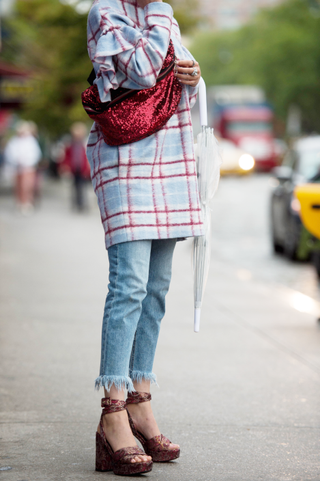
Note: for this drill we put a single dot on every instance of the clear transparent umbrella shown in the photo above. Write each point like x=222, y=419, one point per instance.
x=208, y=173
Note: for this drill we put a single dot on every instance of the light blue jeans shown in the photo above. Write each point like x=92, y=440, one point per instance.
x=139, y=279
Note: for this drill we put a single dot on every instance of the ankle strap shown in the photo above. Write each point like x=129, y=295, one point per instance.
x=112, y=405
x=136, y=397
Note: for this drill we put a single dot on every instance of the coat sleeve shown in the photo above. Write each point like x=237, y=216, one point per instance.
x=185, y=55
x=116, y=44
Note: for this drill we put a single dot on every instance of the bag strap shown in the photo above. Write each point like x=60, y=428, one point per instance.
x=122, y=93
x=91, y=77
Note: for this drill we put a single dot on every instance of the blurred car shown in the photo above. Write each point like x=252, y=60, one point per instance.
x=234, y=159
x=309, y=198
x=241, y=114
x=300, y=165
x=280, y=149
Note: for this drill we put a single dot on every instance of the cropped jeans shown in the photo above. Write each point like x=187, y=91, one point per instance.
x=139, y=279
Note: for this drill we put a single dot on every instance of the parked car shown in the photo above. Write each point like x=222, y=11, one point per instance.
x=309, y=198
x=234, y=159
x=301, y=164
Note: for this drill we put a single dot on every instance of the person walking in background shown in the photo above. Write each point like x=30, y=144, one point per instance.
x=23, y=154
x=41, y=166
x=148, y=199
x=76, y=163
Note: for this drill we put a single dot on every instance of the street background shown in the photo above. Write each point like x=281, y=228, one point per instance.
x=242, y=397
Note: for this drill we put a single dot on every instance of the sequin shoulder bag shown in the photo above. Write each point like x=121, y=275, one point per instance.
x=133, y=115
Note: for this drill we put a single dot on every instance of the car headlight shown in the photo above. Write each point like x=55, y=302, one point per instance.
x=246, y=162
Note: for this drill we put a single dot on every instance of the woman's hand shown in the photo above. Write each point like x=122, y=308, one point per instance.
x=143, y=3
x=184, y=69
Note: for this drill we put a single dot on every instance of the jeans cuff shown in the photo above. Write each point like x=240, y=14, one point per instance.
x=139, y=376
x=119, y=382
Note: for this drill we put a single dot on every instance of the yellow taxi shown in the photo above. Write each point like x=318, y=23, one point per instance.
x=308, y=196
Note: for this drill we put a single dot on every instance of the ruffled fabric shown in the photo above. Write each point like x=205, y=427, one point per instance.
x=145, y=33
x=115, y=38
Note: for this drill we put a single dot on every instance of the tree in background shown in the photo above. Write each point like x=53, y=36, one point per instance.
x=48, y=39
x=279, y=50
x=186, y=12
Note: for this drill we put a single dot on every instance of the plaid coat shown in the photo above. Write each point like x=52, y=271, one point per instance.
x=146, y=189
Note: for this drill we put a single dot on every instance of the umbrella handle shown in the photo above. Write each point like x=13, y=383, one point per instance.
x=197, y=315
x=203, y=103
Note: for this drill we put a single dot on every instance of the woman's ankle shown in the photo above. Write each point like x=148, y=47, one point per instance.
x=115, y=393
x=144, y=420
x=117, y=430
x=142, y=386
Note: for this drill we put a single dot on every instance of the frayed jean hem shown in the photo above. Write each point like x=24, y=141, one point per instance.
x=119, y=382
x=139, y=376
x=124, y=382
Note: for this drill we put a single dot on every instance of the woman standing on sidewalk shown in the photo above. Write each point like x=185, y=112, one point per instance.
x=148, y=199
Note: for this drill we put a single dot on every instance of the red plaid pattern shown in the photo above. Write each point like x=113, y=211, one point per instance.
x=148, y=189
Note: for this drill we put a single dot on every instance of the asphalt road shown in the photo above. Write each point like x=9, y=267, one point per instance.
x=242, y=397
x=241, y=235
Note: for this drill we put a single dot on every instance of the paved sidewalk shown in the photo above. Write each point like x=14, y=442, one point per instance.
x=242, y=397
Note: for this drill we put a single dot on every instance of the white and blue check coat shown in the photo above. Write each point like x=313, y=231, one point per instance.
x=146, y=189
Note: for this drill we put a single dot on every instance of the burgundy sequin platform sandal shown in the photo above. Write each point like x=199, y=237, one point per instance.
x=120, y=461
x=158, y=446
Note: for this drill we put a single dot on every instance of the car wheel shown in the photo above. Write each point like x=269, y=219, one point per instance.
x=277, y=248
x=290, y=247
x=316, y=261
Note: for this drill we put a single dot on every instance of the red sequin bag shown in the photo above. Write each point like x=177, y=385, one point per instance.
x=132, y=115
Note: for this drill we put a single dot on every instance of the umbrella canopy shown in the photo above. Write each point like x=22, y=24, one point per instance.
x=208, y=173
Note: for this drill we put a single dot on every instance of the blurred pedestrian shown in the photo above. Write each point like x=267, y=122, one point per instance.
x=23, y=153
x=148, y=199
x=41, y=166
x=76, y=163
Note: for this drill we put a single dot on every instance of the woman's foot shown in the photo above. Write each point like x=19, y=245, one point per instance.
x=118, y=432
x=144, y=421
